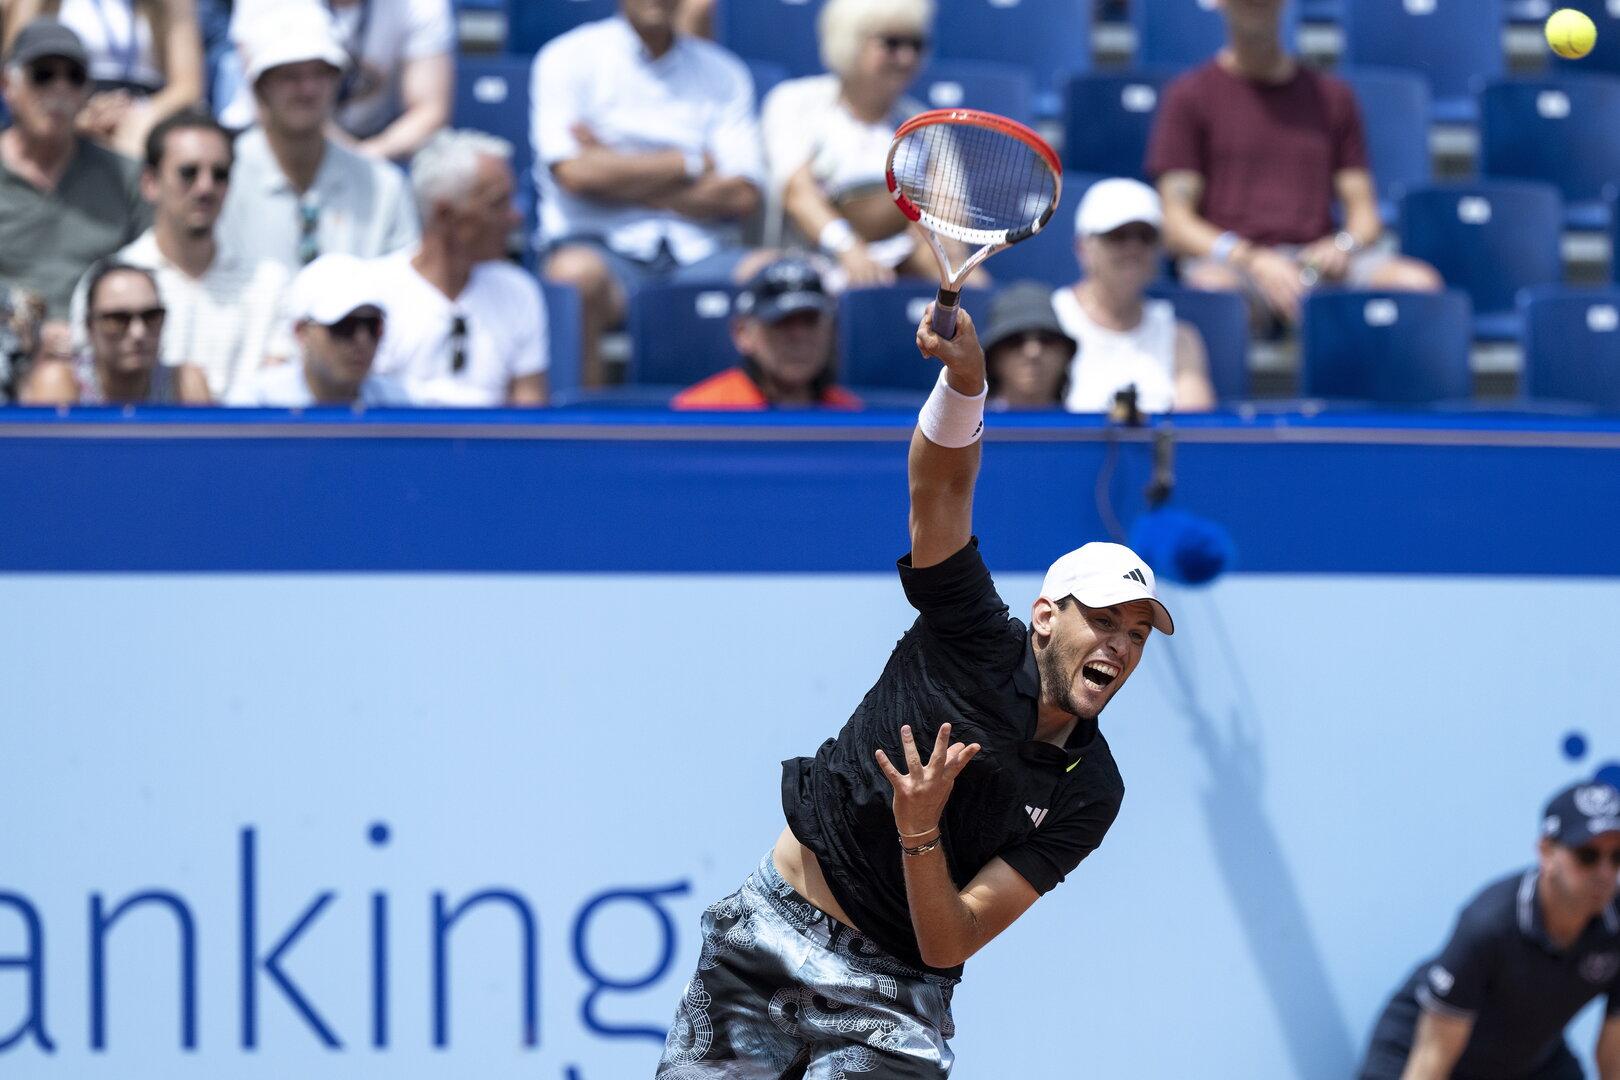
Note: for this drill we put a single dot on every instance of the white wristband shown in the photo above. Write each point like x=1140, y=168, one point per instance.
x=1226, y=243
x=837, y=236
x=952, y=419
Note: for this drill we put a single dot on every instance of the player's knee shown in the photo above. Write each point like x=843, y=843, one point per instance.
x=1410, y=275
x=580, y=267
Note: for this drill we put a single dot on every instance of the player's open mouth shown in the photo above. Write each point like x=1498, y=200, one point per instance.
x=1098, y=674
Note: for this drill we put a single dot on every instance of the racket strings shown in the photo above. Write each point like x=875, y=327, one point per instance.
x=972, y=177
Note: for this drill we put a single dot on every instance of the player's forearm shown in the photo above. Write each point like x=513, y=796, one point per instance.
x=947, y=930
x=600, y=173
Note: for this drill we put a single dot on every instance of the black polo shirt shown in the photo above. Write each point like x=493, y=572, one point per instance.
x=966, y=661
x=1502, y=971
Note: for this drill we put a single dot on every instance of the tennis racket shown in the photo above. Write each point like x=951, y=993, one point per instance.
x=974, y=177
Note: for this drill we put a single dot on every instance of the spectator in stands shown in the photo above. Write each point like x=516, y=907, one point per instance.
x=466, y=327
x=648, y=160
x=225, y=310
x=1127, y=339
x=145, y=60
x=783, y=327
x=1026, y=350
x=1249, y=152
x=65, y=203
x=397, y=89
x=125, y=320
x=339, y=316
x=21, y=314
x=296, y=193
x=828, y=138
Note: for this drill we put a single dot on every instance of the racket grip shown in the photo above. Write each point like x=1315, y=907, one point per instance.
x=944, y=318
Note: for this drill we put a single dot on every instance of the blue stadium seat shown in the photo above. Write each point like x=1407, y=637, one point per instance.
x=876, y=327
x=1049, y=38
x=1107, y=119
x=1048, y=256
x=782, y=31
x=1491, y=240
x=565, y=325
x=1455, y=44
x=1605, y=55
x=532, y=23
x=1222, y=319
x=1387, y=347
x=1572, y=345
x=766, y=74
x=679, y=334
x=492, y=95
x=1395, y=116
x=1180, y=34
x=1321, y=11
x=1565, y=131
x=977, y=84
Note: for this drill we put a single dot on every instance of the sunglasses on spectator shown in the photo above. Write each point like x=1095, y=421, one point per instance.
x=895, y=42
x=1140, y=233
x=118, y=323
x=458, y=343
x=348, y=326
x=1589, y=856
x=45, y=74
x=189, y=174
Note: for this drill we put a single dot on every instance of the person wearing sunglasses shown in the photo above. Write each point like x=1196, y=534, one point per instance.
x=340, y=320
x=125, y=318
x=225, y=307
x=1127, y=338
x=1527, y=954
x=827, y=137
x=65, y=203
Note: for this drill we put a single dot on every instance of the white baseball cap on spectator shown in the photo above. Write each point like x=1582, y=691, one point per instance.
x=290, y=34
x=1100, y=575
x=333, y=287
x=1108, y=204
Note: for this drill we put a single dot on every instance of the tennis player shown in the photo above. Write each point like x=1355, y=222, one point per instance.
x=970, y=781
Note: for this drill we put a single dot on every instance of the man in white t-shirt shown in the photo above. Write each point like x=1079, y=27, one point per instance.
x=647, y=153
x=340, y=321
x=398, y=88
x=465, y=327
x=225, y=309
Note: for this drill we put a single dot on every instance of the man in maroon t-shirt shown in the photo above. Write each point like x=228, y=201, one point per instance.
x=1249, y=152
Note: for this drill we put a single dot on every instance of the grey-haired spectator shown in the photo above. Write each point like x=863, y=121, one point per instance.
x=339, y=318
x=1127, y=339
x=225, y=308
x=1527, y=954
x=65, y=203
x=1026, y=351
x=648, y=159
x=465, y=327
x=296, y=194
x=398, y=88
x=827, y=137
x=125, y=318
x=145, y=59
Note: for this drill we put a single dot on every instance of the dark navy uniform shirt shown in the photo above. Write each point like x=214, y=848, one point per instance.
x=1501, y=971
x=1040, y=807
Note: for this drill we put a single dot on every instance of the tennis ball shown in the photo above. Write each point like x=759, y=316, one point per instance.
x=1570, y=33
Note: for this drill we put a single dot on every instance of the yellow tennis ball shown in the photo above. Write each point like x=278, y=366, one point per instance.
x=1570, y=33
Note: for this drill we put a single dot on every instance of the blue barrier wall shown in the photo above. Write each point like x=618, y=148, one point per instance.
x=431, y=740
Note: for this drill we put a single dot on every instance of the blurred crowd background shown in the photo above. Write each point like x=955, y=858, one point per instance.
x=290, y=203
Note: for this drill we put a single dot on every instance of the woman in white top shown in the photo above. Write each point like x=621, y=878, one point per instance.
x=827, y=137
x=1127, y=339
x=145, y=60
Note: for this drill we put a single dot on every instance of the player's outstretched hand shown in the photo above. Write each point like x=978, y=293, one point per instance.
x=962, y=354
x=921, y=791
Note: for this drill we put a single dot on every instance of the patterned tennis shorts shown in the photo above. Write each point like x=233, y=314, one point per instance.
x=784, y=990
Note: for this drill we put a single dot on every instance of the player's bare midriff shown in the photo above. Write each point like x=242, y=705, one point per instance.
x=798, y=866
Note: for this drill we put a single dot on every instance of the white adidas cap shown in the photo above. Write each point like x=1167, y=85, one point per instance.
x=1117, y=201
x=1101, y=575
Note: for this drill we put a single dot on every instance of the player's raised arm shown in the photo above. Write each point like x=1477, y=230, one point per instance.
x=944, y=461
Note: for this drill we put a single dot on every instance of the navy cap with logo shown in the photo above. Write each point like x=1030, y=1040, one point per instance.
x=43, y=38
x=1580, y=812
x=783, y=287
